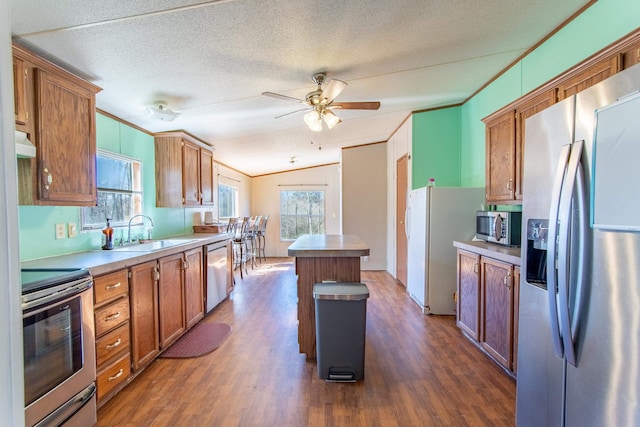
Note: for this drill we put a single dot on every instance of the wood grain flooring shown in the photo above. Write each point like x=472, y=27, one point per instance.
x=419, y=370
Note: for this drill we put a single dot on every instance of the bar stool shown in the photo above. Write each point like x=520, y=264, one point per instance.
x=240, y=245
x=260, y=237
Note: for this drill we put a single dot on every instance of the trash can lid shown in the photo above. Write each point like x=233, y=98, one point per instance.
x=340, y=291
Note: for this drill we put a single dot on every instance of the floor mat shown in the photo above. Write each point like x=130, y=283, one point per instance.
x=202, y=339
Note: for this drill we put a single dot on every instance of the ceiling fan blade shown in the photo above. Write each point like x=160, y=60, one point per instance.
x=332, y=89
x=292, y=112
x=356, y=105
x=285, y=97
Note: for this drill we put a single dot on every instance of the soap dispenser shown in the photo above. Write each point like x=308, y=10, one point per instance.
x=108, y=232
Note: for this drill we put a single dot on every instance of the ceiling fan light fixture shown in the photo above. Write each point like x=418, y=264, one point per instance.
x=331, y=119
x=313, y=119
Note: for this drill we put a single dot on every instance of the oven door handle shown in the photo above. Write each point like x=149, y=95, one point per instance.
x=73, y=405
x=55, y=294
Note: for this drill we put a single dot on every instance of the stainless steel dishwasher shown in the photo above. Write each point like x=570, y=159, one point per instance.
x=217, y=274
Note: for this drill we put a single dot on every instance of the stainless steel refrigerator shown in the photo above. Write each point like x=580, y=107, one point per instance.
x=435, y=217
x=579, y=324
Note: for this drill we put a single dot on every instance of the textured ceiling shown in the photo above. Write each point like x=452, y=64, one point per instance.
x=210, y=61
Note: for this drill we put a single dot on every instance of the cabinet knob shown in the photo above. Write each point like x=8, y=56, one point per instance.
x=507, y=281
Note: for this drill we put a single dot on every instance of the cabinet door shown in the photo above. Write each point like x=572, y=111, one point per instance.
x=143, y=291
x=168, y=166
x=20, y=92
x=524, y=111
x=190, y=173
x=206, y=177
x=497, y=310
x=631, y=56
x=468, y=313
x=500, y=158
x=585, y=79
x=171, y=298
x=193, y=287
x=66, y=143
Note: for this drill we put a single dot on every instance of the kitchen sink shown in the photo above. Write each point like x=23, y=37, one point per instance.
x=150, y=246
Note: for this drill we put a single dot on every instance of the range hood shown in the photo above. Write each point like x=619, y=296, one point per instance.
x=24, y=147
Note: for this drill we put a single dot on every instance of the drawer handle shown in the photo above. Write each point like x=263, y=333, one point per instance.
x=114, y=345
x=114, y=316
x=116, y=376
x=114, y=286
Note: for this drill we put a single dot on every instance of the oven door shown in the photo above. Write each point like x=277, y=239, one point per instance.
x=59, y=358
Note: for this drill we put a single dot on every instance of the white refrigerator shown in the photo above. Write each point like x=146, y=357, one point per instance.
x=435, y=217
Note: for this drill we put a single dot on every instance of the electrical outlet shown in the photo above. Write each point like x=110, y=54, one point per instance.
x=60, y=231
x=72, y=229
x=366, y=258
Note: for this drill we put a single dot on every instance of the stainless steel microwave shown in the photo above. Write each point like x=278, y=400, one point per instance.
x=499, y=227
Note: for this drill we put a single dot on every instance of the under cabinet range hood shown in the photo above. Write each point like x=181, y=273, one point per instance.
x=24, y=147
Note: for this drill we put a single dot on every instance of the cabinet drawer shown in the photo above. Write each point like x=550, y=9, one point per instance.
x=112, y=344
x=112, y=315
x=114, y=375
x=110, y=286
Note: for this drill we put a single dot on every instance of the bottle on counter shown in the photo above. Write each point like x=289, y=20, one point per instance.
x=431, y=182
x=108, y=233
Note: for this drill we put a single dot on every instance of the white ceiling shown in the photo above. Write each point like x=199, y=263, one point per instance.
x=211, y=61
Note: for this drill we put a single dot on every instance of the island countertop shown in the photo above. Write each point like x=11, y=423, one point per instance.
x=328, y=245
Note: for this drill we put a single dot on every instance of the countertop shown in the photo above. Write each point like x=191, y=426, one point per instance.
x=100, y=262
x=491, y=250
x=328, y=245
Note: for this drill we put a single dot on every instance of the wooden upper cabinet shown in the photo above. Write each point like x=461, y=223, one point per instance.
x=526, y=109
x=631, y=56
x=21, y=104
x=190, y=173
x=585, y=78
x=500, y=158
x=207, y=183
x=66, y=142
x=184, y=171
x=57, y=110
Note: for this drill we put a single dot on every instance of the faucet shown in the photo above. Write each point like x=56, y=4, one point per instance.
x=149, y=230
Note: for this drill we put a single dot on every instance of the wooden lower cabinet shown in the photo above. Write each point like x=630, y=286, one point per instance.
x=144, y=314
x=194, y=287
x=468, y=296
x=171, y=298
x=488, y=291
x=113, y=349
x=496, y=283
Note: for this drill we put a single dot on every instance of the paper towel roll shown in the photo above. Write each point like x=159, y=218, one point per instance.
x=208, y=217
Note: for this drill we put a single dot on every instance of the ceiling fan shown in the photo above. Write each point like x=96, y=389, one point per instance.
x=320, y=103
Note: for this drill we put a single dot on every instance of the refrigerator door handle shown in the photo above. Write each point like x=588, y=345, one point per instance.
x=552, y=286
x=574, y=179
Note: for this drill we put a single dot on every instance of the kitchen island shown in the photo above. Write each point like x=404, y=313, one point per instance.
x=321, y=257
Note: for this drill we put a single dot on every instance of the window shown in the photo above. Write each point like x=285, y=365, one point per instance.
x=227, y=201
x=301, y=212
x=119, y=186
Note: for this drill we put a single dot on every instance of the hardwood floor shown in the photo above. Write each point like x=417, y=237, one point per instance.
x=419, y=370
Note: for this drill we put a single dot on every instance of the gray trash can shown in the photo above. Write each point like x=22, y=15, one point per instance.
x=341, y=318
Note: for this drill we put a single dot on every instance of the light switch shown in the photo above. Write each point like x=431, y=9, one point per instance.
x=72, y=229
x=60, y=231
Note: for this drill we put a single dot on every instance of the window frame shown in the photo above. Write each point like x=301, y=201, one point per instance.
x=137, y=206
x=221, y=203
x=309, y=215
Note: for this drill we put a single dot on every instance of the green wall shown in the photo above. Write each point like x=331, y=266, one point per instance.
x=37, y=223
x=602, y=24
x=436, y=148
